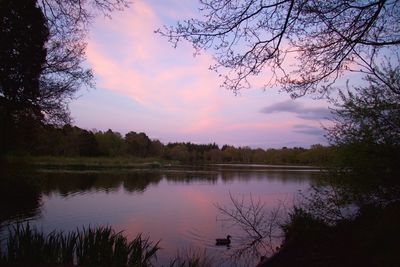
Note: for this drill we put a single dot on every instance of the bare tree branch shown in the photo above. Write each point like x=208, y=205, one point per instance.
x=248, y=37
x=261, y=227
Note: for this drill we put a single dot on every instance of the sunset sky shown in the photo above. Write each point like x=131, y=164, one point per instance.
x=145, y=85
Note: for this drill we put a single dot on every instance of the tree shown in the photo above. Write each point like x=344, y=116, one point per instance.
x=230, y=153
x=367, y=128
x=87, y=144
x=137, y=144
x=41, y=62
x=110, y=143
x=369, y=113
x=23, y=34
x=179, y=152
x=156, y=148
x=324, y=38
x=64, y=72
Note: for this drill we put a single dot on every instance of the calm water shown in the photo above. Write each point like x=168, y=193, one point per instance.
x=177, y=207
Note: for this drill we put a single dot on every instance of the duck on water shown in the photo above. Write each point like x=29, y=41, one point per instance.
x=223, y=241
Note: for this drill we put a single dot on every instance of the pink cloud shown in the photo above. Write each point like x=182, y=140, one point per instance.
x=178, y=93
x=143, y=75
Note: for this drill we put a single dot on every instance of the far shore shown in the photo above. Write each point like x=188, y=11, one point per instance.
x=99, y=163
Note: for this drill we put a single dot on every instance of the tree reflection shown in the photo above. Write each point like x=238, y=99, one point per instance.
x=192, y=176
x=20, y=196
x=258, y=230
x=285, y=176
x=139, y=182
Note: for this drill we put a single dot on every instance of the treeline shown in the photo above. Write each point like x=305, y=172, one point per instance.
x=72, y=141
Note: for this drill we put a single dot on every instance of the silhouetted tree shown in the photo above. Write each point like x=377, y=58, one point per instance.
x=23, y=34
x=64, y=72
x=41, y=61
x=367, y=126
x=369, y=113
x=306, y=45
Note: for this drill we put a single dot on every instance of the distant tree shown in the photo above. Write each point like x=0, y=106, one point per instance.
x=306, y=45
x=137, y=144
x=245, y=154
x=258, y=156
x=156, y=148
x=273, y=156
x=316, y=155
x=230, y=154
x=214, y=155
x=178, y=152
x=51, y=141
x=109, y=143
x=70, y=146
x=87, y=144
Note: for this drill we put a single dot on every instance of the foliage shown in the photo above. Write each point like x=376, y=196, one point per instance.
x=360, y=195
x=72, y=141
x=369, y=239
x=306, y=45
x=42, y=57
x=64, y=72
x=303, y=225
x=137, y=144
x=370, y=113
x=87, y=247
x=23, y=32
x=109, y=143
x=366, y=131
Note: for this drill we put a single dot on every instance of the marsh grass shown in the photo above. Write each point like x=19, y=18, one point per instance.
x=25, y=246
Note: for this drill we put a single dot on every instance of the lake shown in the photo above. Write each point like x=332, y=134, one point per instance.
x=178, y=206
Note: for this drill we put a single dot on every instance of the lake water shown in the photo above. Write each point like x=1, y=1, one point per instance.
x=176, y=206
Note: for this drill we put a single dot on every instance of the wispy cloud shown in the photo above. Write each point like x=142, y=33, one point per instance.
x=299, y=109
x=307, y=129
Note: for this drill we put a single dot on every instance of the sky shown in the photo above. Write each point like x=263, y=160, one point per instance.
x=143, y=84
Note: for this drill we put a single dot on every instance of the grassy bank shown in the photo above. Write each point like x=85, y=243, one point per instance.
x=94, y=162
x=129, y=162
x=126, y=162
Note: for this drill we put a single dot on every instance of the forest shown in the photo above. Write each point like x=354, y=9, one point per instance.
x=72, y=141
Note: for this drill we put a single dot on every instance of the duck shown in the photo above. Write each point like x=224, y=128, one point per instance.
x=223, y=241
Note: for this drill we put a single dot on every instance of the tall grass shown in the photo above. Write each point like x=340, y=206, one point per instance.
x=25, y=246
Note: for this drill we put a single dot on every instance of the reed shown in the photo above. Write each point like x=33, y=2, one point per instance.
x=25, y=246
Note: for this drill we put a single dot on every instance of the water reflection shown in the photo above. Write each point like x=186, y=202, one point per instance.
x=70, y=182
x=174, y=206
x=20, y=194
